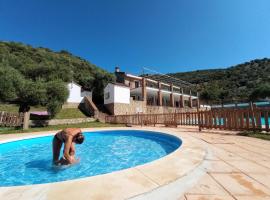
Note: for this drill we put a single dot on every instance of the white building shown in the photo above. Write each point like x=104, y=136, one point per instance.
x=116, y=93
x=77, y=93
x=133, y=94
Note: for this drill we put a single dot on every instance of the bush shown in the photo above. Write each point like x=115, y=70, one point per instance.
x=57, y=94
x=261, y=92
x=53, y=107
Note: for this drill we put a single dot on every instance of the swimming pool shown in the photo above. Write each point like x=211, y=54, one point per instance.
x=28, y=161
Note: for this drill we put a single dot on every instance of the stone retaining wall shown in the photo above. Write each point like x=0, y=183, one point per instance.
x=140, y=107
x=60, y=121
x=70, y=105
x=163, y=109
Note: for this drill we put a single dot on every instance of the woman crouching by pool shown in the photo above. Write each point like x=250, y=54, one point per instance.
x=69, y=137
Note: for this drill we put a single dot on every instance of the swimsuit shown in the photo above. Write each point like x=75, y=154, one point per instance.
x=59, y=136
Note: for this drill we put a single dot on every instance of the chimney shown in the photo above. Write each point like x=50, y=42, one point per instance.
x=117, y=69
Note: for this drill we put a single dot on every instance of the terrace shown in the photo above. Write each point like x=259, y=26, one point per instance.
x=210, y=165
x=158, y=91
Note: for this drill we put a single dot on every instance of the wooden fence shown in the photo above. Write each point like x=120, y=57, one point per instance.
x=236, y=119
x=169, y=119
x=11, y=119
x=227, y=119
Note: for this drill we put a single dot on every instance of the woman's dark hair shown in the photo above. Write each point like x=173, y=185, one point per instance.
x=79, y=138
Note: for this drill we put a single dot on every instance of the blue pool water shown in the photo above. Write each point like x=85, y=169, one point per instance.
x=28, y=161
x=263, y=122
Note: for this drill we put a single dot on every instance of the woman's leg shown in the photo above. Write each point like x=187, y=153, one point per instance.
x=57, y=144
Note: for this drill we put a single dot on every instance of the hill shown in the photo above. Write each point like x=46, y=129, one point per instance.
x=36, y=75
x=235, y=83
x=43, y=63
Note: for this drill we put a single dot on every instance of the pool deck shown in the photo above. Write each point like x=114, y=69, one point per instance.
x=209, y=165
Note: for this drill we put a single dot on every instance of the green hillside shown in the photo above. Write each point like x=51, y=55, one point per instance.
x=232, y=84
x=37, y=76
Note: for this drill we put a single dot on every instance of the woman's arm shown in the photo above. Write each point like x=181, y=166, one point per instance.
x=67, y=149
x=72, y=149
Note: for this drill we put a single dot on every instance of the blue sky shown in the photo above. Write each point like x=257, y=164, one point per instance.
x=167, y=36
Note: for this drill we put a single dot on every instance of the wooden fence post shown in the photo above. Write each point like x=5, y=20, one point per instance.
x=253, y=116
x=266, y=121
x=198, y=114
x=26, y=117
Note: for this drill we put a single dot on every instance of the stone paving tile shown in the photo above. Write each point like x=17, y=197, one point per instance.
x=230, y=156
x=212, y=157
x=264, y=163
x=249, y=166
x=260, y=160
x=253, y=151
x=221, y=167
x=254, y=146
x=225, y=155
x=182, y=198
x=239, y=184
x=207, y=186
x=250, y=144
x=231, y=148
x=254, y=156
x=261, y=178
x=252, y=198
x=172, y=170
x=209, y=197
x=99, y=188
x=253, y=142
x=217, y=140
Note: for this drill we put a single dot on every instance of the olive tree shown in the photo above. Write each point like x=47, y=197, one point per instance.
x=27, y=92
x=261, y=92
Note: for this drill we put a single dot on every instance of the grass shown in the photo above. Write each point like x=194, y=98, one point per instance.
x=69, y=113
x=14, y=108
x=66, y=113
x=256, y=134
x=7, y=130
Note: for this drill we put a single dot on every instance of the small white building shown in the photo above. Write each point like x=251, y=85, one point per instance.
x=116, y=93
x=77, y=93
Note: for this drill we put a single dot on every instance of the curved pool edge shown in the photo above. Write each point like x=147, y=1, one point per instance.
x=123, y=184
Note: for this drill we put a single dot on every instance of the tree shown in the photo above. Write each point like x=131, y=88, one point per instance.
x=239, y=81
x=101, y=80
x=31, y=93
x=210, y=94
x=38, y=76
x=57, y=94
x=261, y=92
x=223, y=95
x=10, y=81
x=26, y=92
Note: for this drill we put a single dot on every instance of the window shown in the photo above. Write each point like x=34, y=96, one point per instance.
x=107, y=95
x=136, y=84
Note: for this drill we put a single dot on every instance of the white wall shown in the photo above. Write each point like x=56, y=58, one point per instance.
x=75, y=94
x=116, y=94
x=121, y=94
x=109, y=94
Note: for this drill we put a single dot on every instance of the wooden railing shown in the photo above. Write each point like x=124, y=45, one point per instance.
x=11, y=119
x=236, y=119
x=227, y=119
x=187, y=118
